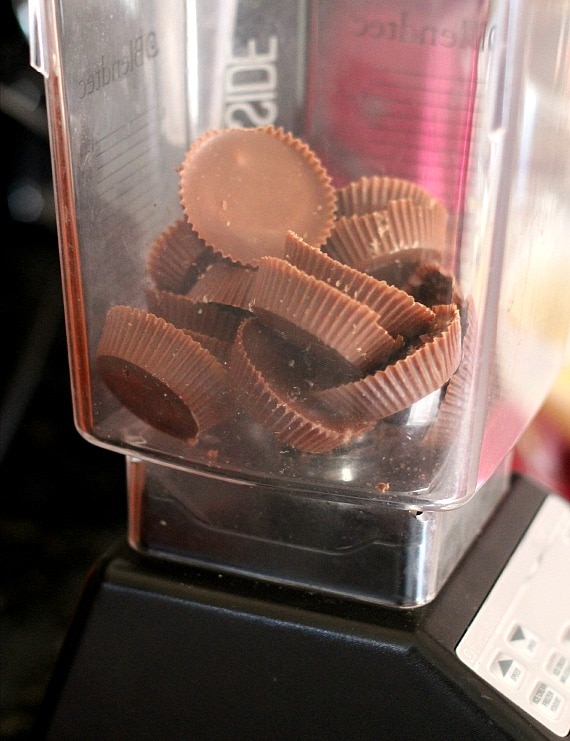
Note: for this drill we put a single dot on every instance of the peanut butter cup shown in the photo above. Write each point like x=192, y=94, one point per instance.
x=160, y=374
x=417, y=225
x=355, y=240
x=361, y=240
x=204, y=317
x=269, y=378
x=397, y=311
x=423, y=370
x=242, y=189
x=397, y=267
x=224, y=283
x=177, y=257
x=454, y=404
x=318, y=317
x=369, y=194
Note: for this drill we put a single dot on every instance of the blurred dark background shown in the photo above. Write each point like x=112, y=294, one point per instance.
x=62, y=501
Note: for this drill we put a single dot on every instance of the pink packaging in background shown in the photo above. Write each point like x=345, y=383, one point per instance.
x=408, y=114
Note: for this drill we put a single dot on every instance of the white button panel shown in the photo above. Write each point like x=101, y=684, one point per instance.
x=519, y=641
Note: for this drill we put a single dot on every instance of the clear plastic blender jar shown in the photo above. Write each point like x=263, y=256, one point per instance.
x=314, y=260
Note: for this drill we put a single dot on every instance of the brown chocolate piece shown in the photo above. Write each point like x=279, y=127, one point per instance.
x=242, y=189
x=417, y=225
x=220, y=349
x=397, y=311
x=369, y=194
x=269, y=378
x=318, y=317
x=357, y=239
x=361, y=239
x=204, y=317
x=454, y=404
x=431, y=285
x=224, y=283
x=397, y=267
x=160, y=374
x=177, y=257
x=423, y=370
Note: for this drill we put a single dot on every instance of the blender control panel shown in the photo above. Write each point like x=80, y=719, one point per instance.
x=519, y=641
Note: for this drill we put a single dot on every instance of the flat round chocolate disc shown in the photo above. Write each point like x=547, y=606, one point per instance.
x=243, y=189
x=160, y=374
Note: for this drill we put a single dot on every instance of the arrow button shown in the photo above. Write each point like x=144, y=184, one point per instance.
x=508, y=670
x=518, y=634
x=523, y=640
x=505, y=665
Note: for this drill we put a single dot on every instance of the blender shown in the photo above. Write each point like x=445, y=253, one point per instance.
x=313, y=257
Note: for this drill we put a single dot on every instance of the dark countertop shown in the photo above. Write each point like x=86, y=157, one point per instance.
x=63, y=500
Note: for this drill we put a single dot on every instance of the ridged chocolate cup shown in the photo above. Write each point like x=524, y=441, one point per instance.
x=224, y=283
x=369, y=194
x=177, y=257
x=362, y=239
x=220, y=349
x=357, y=239
x=273, y=393
x=417, y=225
x=204, y=317
x=454, y=404
x=397, y=267
x=160, y=373
x=318, y=317
x=242, y=189
x=397, y=311
x=405, y=381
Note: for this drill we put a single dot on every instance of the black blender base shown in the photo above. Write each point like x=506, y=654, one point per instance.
x=159, y=651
